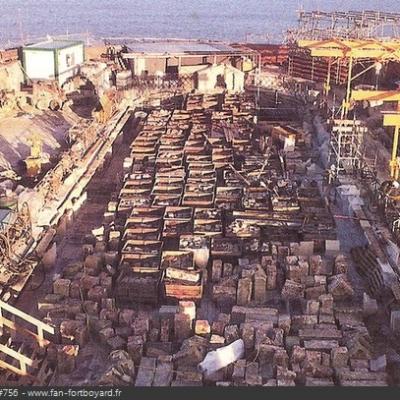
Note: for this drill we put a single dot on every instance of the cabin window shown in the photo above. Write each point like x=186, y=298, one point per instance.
x=70, y=60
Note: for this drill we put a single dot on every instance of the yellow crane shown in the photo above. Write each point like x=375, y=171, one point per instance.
x=379, y=51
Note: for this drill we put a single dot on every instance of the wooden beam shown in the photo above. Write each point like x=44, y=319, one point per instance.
x=375, y=95
x=341, y=48
x=18, y=328
x=391, y=120
x=14, y=354
x=14, y=369
x=26, y=317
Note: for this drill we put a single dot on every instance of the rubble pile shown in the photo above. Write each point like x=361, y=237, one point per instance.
x=214, y=242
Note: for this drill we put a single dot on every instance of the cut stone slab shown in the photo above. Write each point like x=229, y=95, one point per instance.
x=339, y=357
x=378, y=364
x=146, y=371
x=332, y=248
x=244, y=291
x=320, y=344
x=163, y=374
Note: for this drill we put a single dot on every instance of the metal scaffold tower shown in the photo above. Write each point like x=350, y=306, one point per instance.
x=346, y=144
x=320, y=25
x=377, y=51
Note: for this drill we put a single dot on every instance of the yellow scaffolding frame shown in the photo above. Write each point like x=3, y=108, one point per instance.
x=353, y=49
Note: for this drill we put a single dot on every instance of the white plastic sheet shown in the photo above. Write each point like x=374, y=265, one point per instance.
x=220, y=358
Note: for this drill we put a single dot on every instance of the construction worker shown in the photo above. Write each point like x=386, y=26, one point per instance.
x=331, y=188
x=331, y=174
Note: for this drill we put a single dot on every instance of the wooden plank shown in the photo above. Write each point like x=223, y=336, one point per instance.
x=391, y=119
x=20, y=329
x=11, y=368
x=14, y=354
x=374, y=95
x=182, y=275
x=26, y=317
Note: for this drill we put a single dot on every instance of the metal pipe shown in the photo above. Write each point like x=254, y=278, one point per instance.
x=346, y=103
x=394, y=170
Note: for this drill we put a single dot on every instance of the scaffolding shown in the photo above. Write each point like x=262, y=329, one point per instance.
x=319, y=25
x=346, y=142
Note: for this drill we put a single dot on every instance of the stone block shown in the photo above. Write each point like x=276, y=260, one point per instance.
x=202, y=327
x=312, y=307
x=332, y=248
x=320, y=344
x=165, y=330
x=123, y=331
x=378, y=364
x=272, y=273
x=326, y=304
x=154, y=335
x=292, y=290
x=189, y=308
x=260, y=286
x=106, y=283
x=313, y=293
x=87, y=282
x=75, y=291
x=116, y=343
x=340, y=287
x=395, y=321
x=126, y=317
x=302, y=321
x=285, y=322
x=252, y=376
x=306, y=248
x=97, y=293
x=106, y=334
x=319, y=382
x=218, y=327
x=339, y=357
x=239, y=371
x=341, y=265
x=319, y=266
x=182, y=326
x=326, y=319
x=244, y=291
x=73, y=307
x=141, y=326
x=248, y=336
x=231, y=333
x=291, y=341
x=111, y=258
x=359, y=365
x=227, y=269
x=62, y=287
x=216, y=270
x=93, y=264
x=283, y=373
x=135, y=347
x=216, y=341
x=298, y=354
x=66, y=358
x=370, y=306
x=91, y=307
x=281, y=358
